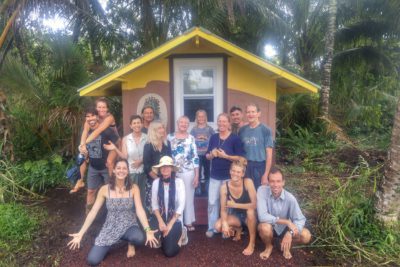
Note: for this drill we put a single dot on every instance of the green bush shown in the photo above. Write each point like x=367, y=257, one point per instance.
x=42, y=174
x=305, y=144
x=29, y=178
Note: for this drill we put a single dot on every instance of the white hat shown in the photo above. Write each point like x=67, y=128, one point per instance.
x=165, y=161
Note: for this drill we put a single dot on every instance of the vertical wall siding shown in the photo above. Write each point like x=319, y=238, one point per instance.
x=130, y=99
x=268, y=108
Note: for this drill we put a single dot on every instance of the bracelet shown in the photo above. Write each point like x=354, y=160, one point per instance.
x=147, y=229
x=291, y=232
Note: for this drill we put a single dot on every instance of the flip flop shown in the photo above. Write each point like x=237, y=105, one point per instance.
x=190, y=228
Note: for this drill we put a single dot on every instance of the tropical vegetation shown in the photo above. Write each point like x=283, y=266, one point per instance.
x=351, y=48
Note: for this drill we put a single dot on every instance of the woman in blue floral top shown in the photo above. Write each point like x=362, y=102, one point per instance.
x=184, y=153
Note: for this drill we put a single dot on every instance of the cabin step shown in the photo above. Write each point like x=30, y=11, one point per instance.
x=200, y=208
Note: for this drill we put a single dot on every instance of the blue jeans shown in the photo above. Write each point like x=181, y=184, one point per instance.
x=169, y=243
x=255, y=170
x=213, y=202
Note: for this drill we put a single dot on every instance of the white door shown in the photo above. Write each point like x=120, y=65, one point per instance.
x=198, y=84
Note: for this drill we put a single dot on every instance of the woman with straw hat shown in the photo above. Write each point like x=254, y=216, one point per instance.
x=168, y=203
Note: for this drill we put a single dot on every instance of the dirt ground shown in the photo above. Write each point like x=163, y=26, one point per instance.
x=66, y=215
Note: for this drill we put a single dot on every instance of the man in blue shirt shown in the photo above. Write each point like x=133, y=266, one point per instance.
x=280, y=216
x=258, y=145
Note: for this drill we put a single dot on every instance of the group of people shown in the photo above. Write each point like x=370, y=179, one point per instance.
x=154, y=175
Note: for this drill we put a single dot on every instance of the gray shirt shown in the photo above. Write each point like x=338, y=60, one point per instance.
x=256, y=141
x=285, y=206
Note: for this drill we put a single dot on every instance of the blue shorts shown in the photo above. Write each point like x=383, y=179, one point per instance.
x=241, y=215
x=96, y=178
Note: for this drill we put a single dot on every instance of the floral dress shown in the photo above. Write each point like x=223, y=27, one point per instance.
x=184, y=152
x=120, y=217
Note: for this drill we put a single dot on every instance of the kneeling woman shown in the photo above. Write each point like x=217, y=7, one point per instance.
x=168, y=203
x=122, y=199
x=238, y=206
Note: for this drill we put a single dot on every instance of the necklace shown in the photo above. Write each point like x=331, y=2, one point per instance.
x=220, y=144
x=120, y=190
x=221, y=141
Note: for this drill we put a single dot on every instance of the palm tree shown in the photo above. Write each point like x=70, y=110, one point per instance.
x=50, y=94
x=327, y=67
x=388, y=196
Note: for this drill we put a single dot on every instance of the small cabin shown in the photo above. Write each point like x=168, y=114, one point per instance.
x=198, y=70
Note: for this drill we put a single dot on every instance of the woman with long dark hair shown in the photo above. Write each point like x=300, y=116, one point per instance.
x=122, y=201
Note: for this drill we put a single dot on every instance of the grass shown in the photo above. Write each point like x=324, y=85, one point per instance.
x=336, y=188
x=347, y=227
x=24, y=182
x=18, y=226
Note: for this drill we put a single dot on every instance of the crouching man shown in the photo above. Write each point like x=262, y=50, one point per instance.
x=280, y=216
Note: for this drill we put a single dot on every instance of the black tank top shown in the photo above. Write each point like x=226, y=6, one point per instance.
x=243, y=199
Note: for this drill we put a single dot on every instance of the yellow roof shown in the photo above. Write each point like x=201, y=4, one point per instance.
x=291, y=81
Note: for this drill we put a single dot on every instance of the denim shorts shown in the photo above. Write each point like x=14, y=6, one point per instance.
x=241, y=215
x=96, y=178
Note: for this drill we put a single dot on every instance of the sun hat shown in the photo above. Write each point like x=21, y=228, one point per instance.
x=165, y=161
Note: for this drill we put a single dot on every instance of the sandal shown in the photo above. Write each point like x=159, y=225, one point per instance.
x=190, y=228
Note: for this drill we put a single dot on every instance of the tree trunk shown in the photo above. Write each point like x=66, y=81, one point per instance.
x=6, y=147
x=10, y=22
x=388, y=195
x=327, y=67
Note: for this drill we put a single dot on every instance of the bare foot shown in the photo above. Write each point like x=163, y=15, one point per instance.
x=79, y=184
x=238, y=234
x=287, y=254
x=131, y=251
x=266, y=253
x=249, y=250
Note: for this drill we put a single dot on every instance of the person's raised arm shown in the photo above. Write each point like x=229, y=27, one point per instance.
x=77, y=237
x=85, y=132
x=112, y=147
x=104, y=125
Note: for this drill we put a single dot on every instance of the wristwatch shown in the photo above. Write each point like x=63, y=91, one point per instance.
x=291, y=232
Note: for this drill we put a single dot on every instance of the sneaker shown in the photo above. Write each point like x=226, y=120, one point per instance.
x=185, y=238
x=210, y=233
